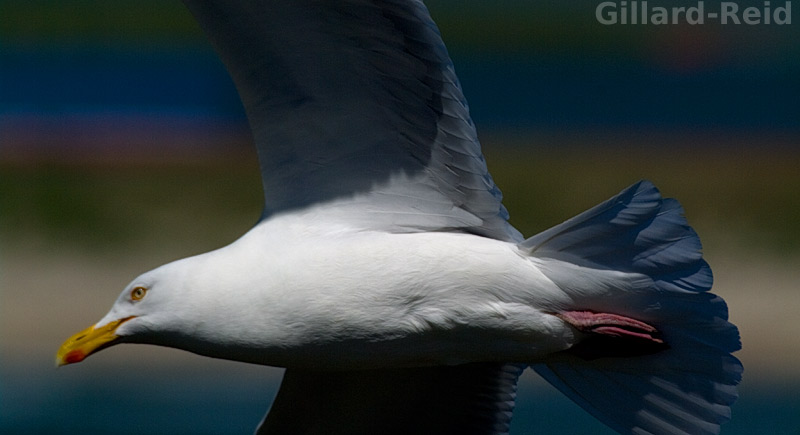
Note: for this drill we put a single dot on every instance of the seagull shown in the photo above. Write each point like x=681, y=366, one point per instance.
x=384, y=275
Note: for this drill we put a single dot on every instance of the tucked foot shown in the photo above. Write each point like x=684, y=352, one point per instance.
x=610, y=324
x=611, y=335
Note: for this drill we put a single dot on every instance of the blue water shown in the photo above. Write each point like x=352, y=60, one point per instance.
x=506, y=91
x=564, y=91
x=204, y=396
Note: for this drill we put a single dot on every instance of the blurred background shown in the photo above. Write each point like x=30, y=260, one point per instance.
x=123, y=146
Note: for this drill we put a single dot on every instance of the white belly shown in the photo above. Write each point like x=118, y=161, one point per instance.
x=376, y=299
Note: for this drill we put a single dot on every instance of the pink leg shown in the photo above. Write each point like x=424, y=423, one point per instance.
x=610, y=324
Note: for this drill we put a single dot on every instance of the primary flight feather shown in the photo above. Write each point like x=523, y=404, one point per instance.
x=384, y=274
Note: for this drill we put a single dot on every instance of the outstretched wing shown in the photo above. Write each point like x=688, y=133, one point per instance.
x=356, y=110
x=471, y=399
x=354, y=104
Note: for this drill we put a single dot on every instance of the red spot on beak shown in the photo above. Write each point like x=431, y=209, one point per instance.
x=74, y=356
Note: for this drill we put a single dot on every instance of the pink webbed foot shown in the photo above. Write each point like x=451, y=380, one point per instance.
x=610, y=324
x=612, y=335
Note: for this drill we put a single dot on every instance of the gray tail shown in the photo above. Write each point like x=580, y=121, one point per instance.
x=690, y=384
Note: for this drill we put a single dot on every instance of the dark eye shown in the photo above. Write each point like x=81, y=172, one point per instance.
x=138, y=293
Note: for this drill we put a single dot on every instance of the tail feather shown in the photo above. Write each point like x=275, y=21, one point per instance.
x=635, y=255
x=635, y=231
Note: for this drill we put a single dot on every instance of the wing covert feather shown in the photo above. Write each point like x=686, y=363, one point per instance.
x=470, y=399
x=355, y=105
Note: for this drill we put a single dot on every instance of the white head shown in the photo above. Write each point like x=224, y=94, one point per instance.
x=152, y=309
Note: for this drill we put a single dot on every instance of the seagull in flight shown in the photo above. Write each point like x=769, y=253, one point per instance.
x=384, y=274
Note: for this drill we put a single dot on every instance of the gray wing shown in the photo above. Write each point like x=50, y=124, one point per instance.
x=471, y=399
x=355, y=105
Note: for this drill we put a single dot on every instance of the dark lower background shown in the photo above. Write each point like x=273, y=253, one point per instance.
x=226, y=398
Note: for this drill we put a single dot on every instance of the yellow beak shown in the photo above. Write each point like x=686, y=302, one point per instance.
x=87, y=342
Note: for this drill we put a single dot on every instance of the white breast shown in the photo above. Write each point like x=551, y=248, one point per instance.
x=301, y=296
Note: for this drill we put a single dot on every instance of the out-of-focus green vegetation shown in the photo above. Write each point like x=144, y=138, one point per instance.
x=502, y=24
x=740, y=198
x=741, y=195
x=475, y=26
x=52, y=21
x=119, y=207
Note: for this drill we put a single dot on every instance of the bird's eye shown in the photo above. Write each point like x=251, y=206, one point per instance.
x=137, y=294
